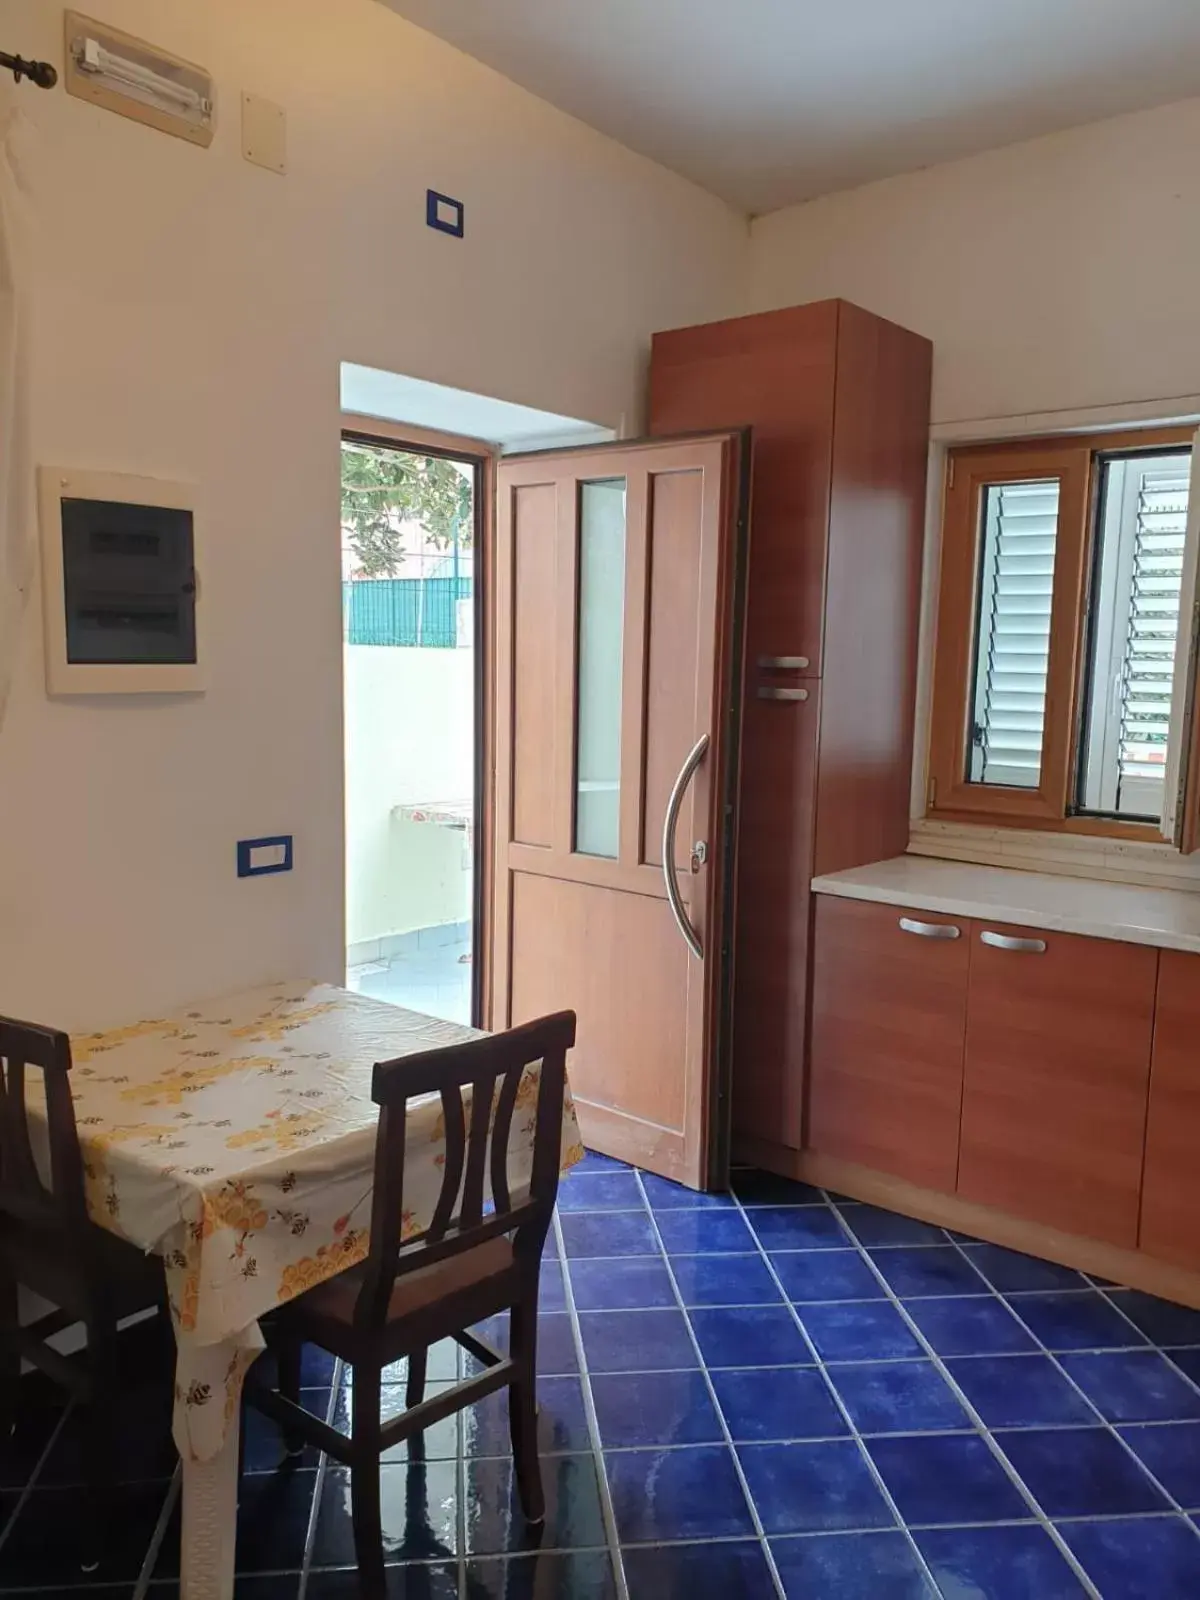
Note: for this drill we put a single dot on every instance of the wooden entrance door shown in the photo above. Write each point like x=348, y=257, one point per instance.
x=617, y=678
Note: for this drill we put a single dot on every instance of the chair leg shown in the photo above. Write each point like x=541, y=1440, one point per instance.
x=365, y=1509
x=522, y=1408
x=10, y=1355
x=100, y=1439
x=288, y=1356
x=414, y=1392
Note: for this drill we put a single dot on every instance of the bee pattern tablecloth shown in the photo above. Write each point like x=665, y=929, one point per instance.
x=237, y=1141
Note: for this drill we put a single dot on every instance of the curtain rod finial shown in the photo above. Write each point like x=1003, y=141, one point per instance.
x=39, y=72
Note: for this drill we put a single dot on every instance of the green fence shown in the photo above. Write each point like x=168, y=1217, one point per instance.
x=404, y=611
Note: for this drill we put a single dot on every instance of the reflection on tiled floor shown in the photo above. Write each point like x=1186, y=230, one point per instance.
x=435, y=979
x=759, y=1396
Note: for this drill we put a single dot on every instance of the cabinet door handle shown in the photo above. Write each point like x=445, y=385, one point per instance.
x=1009, y=941
x=782, y=663
x=930, y=930
x=782, y=694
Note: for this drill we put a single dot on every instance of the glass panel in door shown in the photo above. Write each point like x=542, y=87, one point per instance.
x=601, y=639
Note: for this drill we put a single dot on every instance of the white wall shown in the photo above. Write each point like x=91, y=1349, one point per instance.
x=409, y=721
x=1057, y=274
x=192, y=311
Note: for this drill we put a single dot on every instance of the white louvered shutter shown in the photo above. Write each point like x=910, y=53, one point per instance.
x=1020, y=524
x=1183, y=686
x=1148, y=660
x=1134, y=632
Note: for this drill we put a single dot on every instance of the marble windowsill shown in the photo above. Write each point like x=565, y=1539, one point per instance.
x=1168, y=918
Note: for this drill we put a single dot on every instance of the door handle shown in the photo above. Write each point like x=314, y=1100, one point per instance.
x=670, y=824
x=782, y=694
x=1009, y=941
x=782, y=663
x=929, y=930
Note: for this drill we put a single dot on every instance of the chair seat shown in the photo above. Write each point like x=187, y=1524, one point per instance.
x=42, y=1261
x=327, y=1311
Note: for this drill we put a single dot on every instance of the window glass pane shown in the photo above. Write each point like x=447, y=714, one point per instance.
x=601, y=619
x=1133, y=631
x=1016, y=583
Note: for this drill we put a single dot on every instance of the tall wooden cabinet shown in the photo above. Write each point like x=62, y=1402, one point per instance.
x=838, y=401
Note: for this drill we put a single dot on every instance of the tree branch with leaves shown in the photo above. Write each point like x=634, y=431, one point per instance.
x=382, y=489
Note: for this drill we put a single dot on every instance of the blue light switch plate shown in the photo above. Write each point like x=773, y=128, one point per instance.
x=257, y=857
x=444, y=213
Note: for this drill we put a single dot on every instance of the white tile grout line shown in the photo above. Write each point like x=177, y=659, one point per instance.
x=593, y=1424
x=857, y=1437
x=760, y=1252
x=31, y=1480
x=1163, y=1350
x=1109, y=1426
x=314, y=1510
x=981, y=1427
x=150, y=1560
x=760, y=1531
x=888, y=1296
x=832, y=1368
x=460, y=1470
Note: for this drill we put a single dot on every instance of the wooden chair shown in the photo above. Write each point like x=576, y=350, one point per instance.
x=49, y=1245
x=471, y=1263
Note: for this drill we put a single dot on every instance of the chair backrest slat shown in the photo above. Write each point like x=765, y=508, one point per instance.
x=456, y=1155
x=483, y=1098
x=25, y=1195
x=387, y=1209
x=490, y=1070
x=17, y=1164
x=501, y=1134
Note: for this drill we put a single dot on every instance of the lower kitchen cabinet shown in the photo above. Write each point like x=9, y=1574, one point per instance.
x=1171, y=1188
x=1056, y=1078
x=889, y=1013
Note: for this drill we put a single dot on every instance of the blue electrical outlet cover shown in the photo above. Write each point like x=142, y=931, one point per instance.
x=257, y=857
x=445, y=214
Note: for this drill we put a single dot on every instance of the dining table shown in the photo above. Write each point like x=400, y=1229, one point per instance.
x=236, y=1139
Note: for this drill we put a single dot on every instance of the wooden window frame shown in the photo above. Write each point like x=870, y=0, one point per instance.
x=970, y=470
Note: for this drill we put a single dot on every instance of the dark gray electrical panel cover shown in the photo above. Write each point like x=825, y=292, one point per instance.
x=129, y=584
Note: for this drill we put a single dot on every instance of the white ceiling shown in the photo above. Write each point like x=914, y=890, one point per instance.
x=767, y=102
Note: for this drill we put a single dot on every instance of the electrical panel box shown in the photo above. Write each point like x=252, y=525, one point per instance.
x=119, y=569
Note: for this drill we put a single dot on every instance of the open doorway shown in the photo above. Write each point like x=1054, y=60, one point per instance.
x=418, y=461
x=411, y=609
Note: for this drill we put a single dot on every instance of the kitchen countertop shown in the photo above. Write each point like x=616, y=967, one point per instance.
x=1168, y=918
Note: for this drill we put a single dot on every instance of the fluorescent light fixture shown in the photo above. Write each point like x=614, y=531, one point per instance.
x=136, y=79
x=130, y=77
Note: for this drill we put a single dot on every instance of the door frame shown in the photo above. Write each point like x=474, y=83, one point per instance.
x=482, y=457
x=720, y=1140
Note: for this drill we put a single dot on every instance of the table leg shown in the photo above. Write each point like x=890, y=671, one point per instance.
x=209, y=1514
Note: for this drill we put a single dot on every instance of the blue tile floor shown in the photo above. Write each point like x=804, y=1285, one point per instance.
x=770, y=1394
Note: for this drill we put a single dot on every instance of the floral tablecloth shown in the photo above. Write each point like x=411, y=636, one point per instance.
x=236, y=1140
